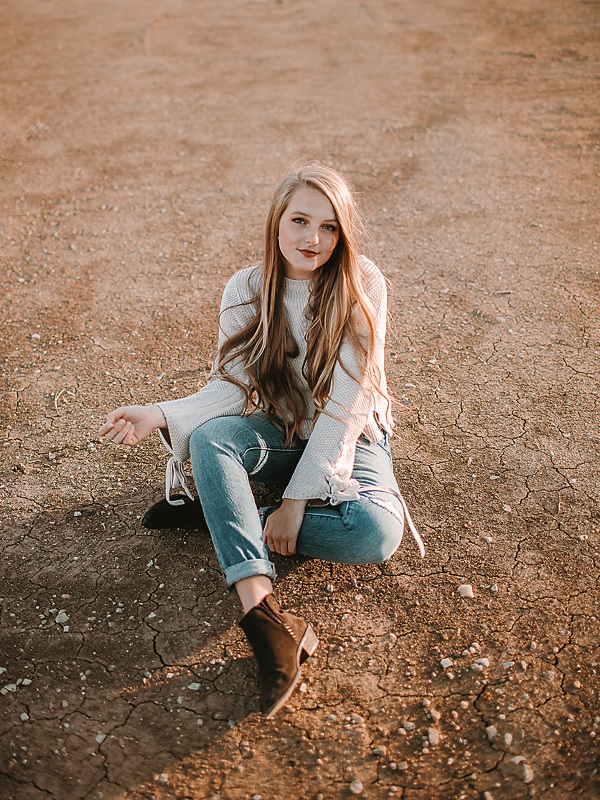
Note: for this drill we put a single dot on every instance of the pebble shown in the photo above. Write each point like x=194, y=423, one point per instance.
x=527, y=773
x=476, y=668
x=194, y=686
x=435, y=715
x=508, y=737
x=24, y=717
x=100, y=738
x=446, y=662
x=62, y=617
x=491, y=732
x=485, y=662
x=163, y=777
x=487, y=796
x=356, y=787
x=494, y=588
x=548, y=675
x=433, y=735
x=402, y=766
x=409, y=726
x=379, y=751
x=357, y=719
x=508, y=664
x=466, y=590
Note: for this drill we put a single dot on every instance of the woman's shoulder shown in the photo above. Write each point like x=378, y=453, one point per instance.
x=370, y=272
x=243, y=284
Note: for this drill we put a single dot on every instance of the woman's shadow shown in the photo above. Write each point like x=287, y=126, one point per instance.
x=131, y=646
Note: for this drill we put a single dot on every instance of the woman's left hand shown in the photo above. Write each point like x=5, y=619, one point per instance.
x=282, y=527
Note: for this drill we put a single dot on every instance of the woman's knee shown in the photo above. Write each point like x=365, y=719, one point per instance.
x=382, y=525
x=208, y=437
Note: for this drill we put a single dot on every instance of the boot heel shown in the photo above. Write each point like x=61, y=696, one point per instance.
x=309, y=643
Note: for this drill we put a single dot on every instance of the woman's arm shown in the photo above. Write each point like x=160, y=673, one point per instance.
x=325, y=468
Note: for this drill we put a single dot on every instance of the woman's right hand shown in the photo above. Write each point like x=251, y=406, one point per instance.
x=130, y=424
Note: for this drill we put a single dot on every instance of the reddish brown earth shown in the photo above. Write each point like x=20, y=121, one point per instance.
x=140, y=142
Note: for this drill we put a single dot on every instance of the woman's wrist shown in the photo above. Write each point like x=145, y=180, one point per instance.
x=159, y=420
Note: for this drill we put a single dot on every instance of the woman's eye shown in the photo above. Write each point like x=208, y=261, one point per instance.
x=329, y=227
x=299, y=220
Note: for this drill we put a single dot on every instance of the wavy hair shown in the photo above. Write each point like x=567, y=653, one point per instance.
x=339, y=310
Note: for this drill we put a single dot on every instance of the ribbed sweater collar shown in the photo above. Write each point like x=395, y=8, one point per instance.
x=297, y=290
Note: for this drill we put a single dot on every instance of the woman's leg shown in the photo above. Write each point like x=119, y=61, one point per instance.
x=364, y=531
x=226, y=453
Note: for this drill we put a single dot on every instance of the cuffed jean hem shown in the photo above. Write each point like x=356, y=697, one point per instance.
x=256, y=566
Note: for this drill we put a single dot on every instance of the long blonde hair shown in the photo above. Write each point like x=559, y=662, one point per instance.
x=338, y=310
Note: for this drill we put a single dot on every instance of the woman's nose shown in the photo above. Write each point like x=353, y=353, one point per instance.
x=312, y=236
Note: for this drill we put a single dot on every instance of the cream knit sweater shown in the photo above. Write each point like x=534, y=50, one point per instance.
x=325, y=468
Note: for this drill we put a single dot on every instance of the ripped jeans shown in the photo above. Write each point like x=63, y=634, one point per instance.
x=227, y=453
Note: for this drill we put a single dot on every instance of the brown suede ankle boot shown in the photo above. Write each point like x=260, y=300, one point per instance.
x=281, y=643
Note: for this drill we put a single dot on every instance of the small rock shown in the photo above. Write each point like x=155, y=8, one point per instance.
x=409, y=726
x=62, y=617
x=435, y=715
x=548, y=675
x=379, y=751
x=487, y=796
x=527, y=773
x=356, y=787
x=491, y=732
x=24, y=717
x=100, y=737
x=506, y=507
x=77, y=513
x=433, y=735
x=194, y=686
x=466, y=590
x=508, y=664
x=508, y=737
x=163, y=777
x=476, y=668
x=446, y=662
x=485, y=662
x=494, y=588
x=402, y=766
x=357, y=719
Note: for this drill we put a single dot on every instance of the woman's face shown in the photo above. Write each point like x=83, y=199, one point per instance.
x=308, y=233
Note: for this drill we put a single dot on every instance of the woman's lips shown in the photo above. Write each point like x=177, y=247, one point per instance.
x=308, y=253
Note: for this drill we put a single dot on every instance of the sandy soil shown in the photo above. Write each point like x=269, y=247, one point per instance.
x=140, y=142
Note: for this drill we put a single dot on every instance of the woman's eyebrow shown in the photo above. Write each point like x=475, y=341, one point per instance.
x=304, y=214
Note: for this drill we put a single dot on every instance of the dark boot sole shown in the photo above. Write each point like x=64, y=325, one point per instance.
x=163, y=516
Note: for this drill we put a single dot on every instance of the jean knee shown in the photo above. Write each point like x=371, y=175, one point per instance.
x=384, y=521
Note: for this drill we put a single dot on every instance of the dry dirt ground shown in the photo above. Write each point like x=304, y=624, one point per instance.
x=140, y=144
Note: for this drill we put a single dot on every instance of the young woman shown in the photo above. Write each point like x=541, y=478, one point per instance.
x=298, y=398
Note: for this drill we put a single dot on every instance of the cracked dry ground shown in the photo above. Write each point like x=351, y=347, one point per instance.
x=140, y=144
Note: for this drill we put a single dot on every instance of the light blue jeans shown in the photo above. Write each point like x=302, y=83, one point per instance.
x=228, y=453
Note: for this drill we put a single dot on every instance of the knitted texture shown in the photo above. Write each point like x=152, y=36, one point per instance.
x=325, y=468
